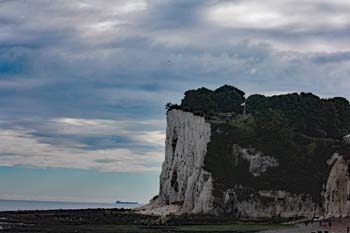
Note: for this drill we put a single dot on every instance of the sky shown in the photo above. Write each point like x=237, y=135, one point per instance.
x=84, y=83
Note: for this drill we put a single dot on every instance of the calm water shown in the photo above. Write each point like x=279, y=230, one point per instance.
x=7, y=205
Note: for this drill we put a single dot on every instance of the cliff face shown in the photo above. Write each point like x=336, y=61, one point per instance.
x=207, y=169
x=269, y=204
x=280, y=156
x=337, y=193
x=183, y=180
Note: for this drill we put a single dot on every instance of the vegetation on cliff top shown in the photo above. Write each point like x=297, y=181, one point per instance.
x=305, y=113
x=301, y=130
x=223, y=99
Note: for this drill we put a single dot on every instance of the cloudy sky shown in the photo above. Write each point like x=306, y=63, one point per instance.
x=83, y=83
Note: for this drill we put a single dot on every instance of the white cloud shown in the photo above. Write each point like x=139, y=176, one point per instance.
x=105, y=26
x=317, y=25
x=132, y=6
x=22, y=83
x=292, y=15
x=136, y=130
x=151, y=137
x=20, y=147
x=246, y=15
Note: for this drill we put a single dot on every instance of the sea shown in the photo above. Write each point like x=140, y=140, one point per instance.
x=15, y=205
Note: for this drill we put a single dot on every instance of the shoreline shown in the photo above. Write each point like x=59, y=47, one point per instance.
x=24, y=205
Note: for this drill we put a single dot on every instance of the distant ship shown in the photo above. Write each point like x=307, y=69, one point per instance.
x=127, y=202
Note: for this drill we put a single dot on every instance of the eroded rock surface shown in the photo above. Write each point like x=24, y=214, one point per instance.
x=337, y=193
x=267, y=204
x=257, y=162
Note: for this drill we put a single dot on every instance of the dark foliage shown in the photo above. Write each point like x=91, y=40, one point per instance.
x=306, y=113
x=223, y=99
x=170, y=106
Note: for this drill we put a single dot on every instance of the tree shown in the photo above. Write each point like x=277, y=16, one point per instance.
x=224, y=99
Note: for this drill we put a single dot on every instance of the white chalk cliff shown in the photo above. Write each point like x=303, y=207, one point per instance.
x=186, y=187
x=183, y=180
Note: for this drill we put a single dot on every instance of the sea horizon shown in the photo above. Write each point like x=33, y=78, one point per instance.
x=19, y=205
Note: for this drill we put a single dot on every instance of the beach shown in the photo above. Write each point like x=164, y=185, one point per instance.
x=128, y=221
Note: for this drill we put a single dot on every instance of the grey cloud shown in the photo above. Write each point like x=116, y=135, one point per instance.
x=104, y=61
x=332, y=57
